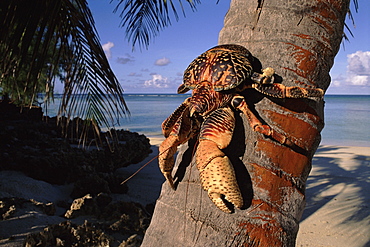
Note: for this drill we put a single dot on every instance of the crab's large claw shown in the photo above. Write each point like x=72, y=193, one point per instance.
x=177, y=128
x=216, y=171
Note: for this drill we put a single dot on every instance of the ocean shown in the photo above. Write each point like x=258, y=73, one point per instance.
x=347, y=117
x=347, y=120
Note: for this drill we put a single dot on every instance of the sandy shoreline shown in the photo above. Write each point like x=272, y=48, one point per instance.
x=338, y=200
x=337, y=211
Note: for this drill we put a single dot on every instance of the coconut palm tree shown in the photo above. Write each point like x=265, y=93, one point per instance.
x=300, y=40
x=44, y=42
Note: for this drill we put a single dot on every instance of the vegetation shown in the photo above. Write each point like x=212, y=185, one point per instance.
x=143, y=20
x=45, y=42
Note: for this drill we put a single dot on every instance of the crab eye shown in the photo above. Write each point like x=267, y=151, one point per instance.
x=237, y=101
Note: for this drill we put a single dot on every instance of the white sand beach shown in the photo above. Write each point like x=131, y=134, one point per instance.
x=338, y=199
x=337, y=212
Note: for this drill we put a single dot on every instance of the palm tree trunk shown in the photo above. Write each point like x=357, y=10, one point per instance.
x=299, y=39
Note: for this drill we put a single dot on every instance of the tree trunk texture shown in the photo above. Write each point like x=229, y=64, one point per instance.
x=299, y=39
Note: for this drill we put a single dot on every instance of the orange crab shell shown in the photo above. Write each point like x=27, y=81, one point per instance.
x=224, y=66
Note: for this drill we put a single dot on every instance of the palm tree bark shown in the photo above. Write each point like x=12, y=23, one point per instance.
x=299, y=39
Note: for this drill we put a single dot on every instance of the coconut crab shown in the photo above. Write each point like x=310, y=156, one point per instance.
x=217, y=77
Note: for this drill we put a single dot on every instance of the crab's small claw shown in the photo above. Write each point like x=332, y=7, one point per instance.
x=166, y=160
x=169, y=179
x=267, y=77
x=177, y=128
x=182, y=89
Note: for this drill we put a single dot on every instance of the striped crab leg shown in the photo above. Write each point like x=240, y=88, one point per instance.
x=280, y=91
x=239, y=103
x=217, y=174
x=178, y=128
x=264, y=83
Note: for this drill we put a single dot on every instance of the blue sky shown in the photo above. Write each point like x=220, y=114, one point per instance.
x=159, y=68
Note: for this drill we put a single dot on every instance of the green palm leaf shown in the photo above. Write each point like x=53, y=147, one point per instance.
x=144, y=19
x=57, y=41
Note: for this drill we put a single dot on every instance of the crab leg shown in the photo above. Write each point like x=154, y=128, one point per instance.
x=216, y=171
x=280, y=91
x=177, y=128
x=239, y=103
x=264, y=84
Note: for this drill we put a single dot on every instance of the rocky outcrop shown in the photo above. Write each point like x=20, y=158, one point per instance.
x=107, y=223
x=111, y=224
x=88, y=205
x=124, y=217
x=69, y=234
x=37, y=148
x=9, y=206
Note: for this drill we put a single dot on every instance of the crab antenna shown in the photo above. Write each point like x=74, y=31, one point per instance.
x=138, y=170
x=147, y=163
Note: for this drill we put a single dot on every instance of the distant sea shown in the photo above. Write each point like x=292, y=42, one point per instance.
x=347, y=117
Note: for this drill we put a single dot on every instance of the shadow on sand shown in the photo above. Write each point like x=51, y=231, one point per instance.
x=339, y=185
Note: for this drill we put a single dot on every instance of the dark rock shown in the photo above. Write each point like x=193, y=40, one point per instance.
x=47, y=208
x=89, y=205
x=10, y=205
x=91, y=184
x=103, y=200
x=83, y=206
x=150, y=208
x=69, y=234
x=6, y=209
x=127, y=217
x=9, y=111
x=38, y=148
x=122, y=217
x=95, y=183
x=123, y=220
x=133, y=241
x=115, y=183
x=63, y=204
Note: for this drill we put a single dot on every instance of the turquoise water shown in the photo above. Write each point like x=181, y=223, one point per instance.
x=149, y=110
x=347, y=117
x=347, y=120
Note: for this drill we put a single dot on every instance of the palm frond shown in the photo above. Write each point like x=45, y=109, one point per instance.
x=58, y=40
x=352, y=19
x=144, y=19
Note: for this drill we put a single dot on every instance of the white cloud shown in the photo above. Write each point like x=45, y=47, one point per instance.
x=135, y=74
x=361, y=80
x=358, y=68
x=157, y=81
x=107, y=49
x=125, y=59
x=357, y=76
x=162, y=61
x=337, y=81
